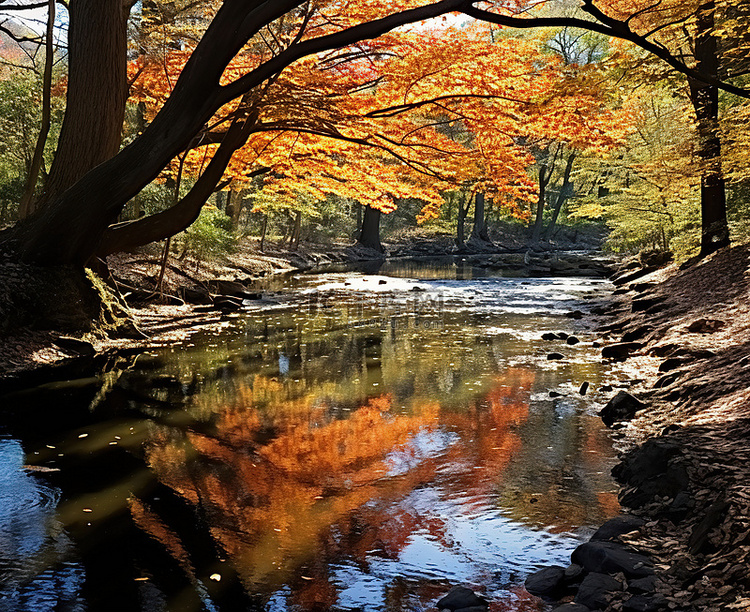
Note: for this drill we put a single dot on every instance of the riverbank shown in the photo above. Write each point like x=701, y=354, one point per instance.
x=685, y=336
x=196, y=294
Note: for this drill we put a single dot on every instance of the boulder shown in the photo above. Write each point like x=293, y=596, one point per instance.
x=549, y=336
x=670, y=483
x=672, y=363
x=596, y=590
x=611, y=558
x=583, y=388
x=555, y=356
x=637, y=333
x=622, y=407
x=548, y=582
x=574, y=314
x=571, y=340
x=461, y=597
x=615, y=527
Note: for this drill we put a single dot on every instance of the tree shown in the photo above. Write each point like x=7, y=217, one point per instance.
x=70, y=229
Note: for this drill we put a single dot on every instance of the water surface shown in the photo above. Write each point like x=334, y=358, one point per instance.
x=364, y=443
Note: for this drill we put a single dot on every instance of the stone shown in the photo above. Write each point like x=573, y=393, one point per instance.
x=549, y=336
x=461, y=597
x=639, y=586
x=571, y=607
x=472, y=609
x=705, y=326
x=555, y=356
x=646, y=461
x=672, y=363
x=611, y=558
x=75, y=345
x=596, y=590
x=621, y=350
x=572, y=340
x=645, y=603
x=547, y=582
x=583, y=388
x=615, y=527
x=670, y=483
x=637, y=334
x=622, y=407
x=575, y=314
x=562, y=336
x=573, y=572
x=642, y=304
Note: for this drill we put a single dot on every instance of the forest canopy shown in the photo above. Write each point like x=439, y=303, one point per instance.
x=125, y=119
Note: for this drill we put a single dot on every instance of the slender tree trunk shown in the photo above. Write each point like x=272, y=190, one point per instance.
x=544, y=175
x=234, y=207
x=358, y=230
x=27, y=205
x=370, y=234
x=479, y=231
x=463, y=211
x=296, y=231
x=705, y=99
x=97, y=90
x=565, y=193
x=263, y=230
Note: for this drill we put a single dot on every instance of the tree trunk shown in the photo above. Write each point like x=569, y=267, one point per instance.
x=234, y=207
x=544, y=175
x=27, y=202
x=97, y=90
x=479, y=231
x=70, y=228
x=296, y=231
x=705, y=99
x=370, y=234
x=463, y=211
x=565, y=193
x=263, y=231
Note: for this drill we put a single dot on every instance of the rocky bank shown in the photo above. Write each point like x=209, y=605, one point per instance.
x=684, y=427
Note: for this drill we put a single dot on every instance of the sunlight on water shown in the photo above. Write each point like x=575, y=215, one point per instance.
x=365, y=445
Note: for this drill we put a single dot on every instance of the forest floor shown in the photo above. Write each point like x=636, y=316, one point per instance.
x=690, y=363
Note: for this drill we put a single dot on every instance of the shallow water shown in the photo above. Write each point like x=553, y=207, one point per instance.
x=363, y=444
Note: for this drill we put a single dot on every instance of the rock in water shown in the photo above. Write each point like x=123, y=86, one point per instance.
x=461, y=597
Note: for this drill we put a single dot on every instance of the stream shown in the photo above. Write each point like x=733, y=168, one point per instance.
x=360, y=442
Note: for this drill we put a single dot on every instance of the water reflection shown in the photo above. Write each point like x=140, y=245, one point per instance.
x=364, y=449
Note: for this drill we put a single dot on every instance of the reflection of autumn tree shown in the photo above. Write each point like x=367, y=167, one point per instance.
x=268, y=504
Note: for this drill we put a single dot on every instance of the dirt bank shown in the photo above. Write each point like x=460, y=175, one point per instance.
x=686, y=336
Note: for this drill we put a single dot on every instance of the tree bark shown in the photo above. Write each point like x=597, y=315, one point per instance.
x=461, y=222
x=705, y=100
x=479, y=231
x=370, y=234
x=545, y=172
x=28, y=204
x=565, y=193
x=97, y=91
